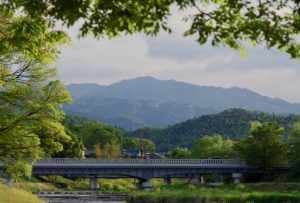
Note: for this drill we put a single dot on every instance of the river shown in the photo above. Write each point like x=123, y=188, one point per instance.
x=82, y=197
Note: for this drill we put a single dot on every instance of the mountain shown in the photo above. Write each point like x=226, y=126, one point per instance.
x=232, y=123
x=130, y=114
x=149, y=101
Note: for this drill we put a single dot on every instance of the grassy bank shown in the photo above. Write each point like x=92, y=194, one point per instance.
x=254, y=193
x=13, y=195
x=55, y=183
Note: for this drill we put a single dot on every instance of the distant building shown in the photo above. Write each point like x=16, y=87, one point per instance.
x=136, y=153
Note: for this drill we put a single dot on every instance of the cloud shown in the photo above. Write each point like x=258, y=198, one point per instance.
x=183, y=50
x=267, y=72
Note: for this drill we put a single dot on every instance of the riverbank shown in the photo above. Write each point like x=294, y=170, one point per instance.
x=13, y=195
x=59, y=183
x=256, y=193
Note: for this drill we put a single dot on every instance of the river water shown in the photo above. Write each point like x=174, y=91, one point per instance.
x=82, y=197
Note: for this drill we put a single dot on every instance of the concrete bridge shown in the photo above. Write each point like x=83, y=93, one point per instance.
x=142, y=169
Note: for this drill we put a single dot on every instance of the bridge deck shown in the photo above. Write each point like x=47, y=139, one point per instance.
x=140, y=168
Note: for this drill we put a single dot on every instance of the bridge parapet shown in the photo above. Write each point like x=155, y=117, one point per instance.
x=210, y=162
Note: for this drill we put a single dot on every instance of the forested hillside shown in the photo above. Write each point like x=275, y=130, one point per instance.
x=131, y=114
x=147, y=101
x=233, y=123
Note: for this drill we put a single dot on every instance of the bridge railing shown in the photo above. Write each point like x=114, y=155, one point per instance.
x=143, y=161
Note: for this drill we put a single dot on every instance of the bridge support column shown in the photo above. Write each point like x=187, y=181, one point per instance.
x=237, y=177
x=195, y=179
x=94, y=183
x=145, y=184
x=218, y=177
x=167, y=180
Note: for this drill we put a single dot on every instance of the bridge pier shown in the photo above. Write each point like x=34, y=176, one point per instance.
x=195, y=179
x=94, y=183
x=218, y=177
x=167, y=180
x=237, y=177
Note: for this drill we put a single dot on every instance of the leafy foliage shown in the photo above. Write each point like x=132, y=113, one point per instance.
x=294, y=143
x=212, y=146
x=293, y=152
x=72, y=148
x=98, y=133
x=274, y=23
x=106, y=140
x=263, y=147
x=31, y=96
x=131, y=143
x=233, y=124
x=180, y=153
x=108, y=151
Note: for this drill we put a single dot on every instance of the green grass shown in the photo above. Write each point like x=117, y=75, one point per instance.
x=56, y=183
x=105, y=184
x=15, y=195
x=260, y=193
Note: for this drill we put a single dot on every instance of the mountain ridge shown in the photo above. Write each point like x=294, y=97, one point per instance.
x=231, y=123
x=145, y=96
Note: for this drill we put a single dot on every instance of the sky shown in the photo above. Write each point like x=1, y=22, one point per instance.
x=172, y=56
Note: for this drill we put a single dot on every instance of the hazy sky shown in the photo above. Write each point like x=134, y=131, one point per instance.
x=173, y=56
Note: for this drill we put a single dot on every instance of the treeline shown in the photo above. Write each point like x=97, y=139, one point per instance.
x=105, y=140
x=232, y=124
x=264, y=146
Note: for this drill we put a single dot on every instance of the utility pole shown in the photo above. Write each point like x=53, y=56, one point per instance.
x=142, y=143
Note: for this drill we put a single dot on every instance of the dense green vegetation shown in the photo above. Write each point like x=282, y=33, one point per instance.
x=258, y=193
x=264, y=146
x=294, y=142
x=71, y=148
x=60, y=183
x=108, y=141
x=213, y=146
x=180, y=153
x=228, y=23
x=31, y=96
x=233, y=124
x=132, y=143
x=98, y=133
x=13, y=195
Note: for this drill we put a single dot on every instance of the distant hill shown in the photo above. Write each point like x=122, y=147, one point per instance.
x=233, y=123
x=131, y=114
x=146, y=101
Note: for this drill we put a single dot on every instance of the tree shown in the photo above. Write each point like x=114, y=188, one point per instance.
x=294, y=143
x=131, y=143
x=212, y=146
x=293, y=151
x=93, y=133
x=108, y=151
x=263, y=147
x=72, y=148
x=273, y=23
x=180, y=153
x=31, y=96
